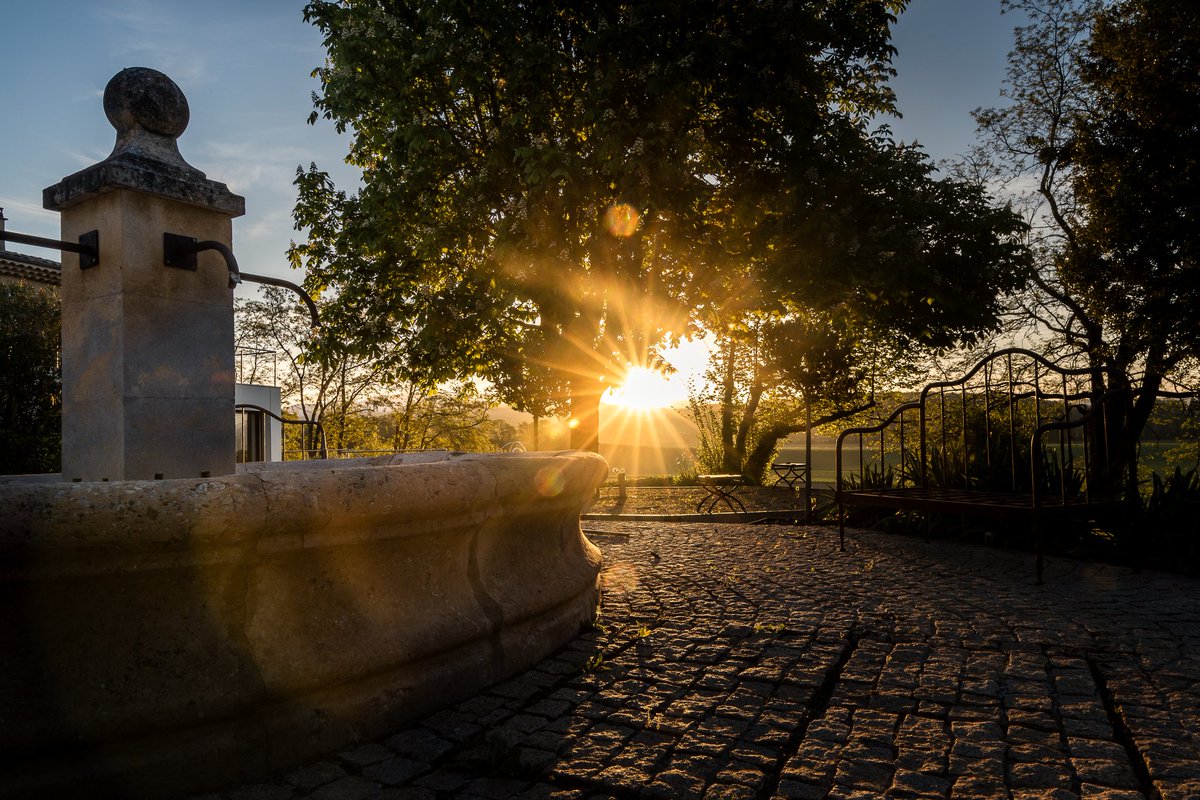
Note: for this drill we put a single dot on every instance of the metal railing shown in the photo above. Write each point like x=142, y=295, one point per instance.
x=970, y=433
x=320, y=451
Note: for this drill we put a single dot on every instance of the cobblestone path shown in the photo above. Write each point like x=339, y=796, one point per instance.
x=743, y=661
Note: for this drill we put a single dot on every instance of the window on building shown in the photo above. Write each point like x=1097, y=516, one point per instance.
x=251, y=435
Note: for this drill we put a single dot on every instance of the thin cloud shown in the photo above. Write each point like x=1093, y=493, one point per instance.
x=274, y=224
x=25, y=217
x=247, y=165
x=85, y=158
x=152, y=37
x=14, y=208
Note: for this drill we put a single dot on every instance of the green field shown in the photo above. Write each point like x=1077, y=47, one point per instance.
x=1160, y=456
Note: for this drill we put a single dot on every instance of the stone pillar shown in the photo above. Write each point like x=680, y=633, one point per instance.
x=147, y=357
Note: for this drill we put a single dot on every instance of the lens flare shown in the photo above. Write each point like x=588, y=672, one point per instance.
x=549, y=481
x=621, y=220
x=621, y=578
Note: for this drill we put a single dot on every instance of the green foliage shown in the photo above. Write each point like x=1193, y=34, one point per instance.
x=770, y=377
x=895, y=254
x=320, y=378
x=1136, y=159
x=1172, y=517
x=454, y=417
x=687, y=469
x=30, y=380
x=1187, y=442
x=547, y=434
x=529, y=384
x=735, y=410
x=874, y=475
x=1175, y=501
x=709, y=453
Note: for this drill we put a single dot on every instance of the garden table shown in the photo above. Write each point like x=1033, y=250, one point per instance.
x=721, y=489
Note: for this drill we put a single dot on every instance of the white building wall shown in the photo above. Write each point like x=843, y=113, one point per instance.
x=269, y=398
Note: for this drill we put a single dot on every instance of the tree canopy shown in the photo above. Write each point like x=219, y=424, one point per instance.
x=1136, y=157
x=579, y=183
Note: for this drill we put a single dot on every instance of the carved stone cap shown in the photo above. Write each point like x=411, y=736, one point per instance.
x=149, y=112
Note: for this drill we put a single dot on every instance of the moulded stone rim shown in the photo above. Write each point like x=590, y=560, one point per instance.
x=67, y=519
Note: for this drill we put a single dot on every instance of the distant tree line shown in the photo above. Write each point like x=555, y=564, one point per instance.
x=360, y=406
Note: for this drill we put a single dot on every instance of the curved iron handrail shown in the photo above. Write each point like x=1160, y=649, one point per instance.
x=235, y=274
x=280, y=282
x=863, y=431
x=1008, y=351
x=324, y=451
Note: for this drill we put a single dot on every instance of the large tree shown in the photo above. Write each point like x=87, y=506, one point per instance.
x=1137, y=167
x=771, y=378
x=1105, y=118
x=585, y=179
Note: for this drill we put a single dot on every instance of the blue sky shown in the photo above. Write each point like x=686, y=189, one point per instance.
x=245, y=64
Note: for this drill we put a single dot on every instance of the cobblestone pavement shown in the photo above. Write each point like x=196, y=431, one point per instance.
x=756, y=661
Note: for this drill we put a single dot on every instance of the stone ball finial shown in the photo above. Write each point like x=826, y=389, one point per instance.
x=150, y=113
x=139, y=97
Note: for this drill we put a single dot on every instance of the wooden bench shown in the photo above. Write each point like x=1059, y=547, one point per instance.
x=1017, y=437
x=721, y=488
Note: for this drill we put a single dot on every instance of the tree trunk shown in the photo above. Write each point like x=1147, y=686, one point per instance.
x=731, y=459
x=536, y=420
x=585, y=414
x=758, y=460
x=745, y=425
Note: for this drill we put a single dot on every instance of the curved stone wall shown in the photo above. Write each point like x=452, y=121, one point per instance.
x=184, y=633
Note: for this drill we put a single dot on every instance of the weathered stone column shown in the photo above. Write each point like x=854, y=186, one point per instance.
x=147, y=355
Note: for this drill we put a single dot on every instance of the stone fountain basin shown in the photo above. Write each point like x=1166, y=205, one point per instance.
x=175, y=635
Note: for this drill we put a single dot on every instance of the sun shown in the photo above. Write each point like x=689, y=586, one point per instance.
x=644, y=389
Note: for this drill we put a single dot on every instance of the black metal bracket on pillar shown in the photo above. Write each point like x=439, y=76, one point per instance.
x=180, y=251
x=88, y=247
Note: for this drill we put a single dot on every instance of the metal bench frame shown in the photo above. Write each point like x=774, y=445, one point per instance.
x=997, y=391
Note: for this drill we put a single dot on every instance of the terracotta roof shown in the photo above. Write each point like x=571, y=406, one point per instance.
x=30, y=268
